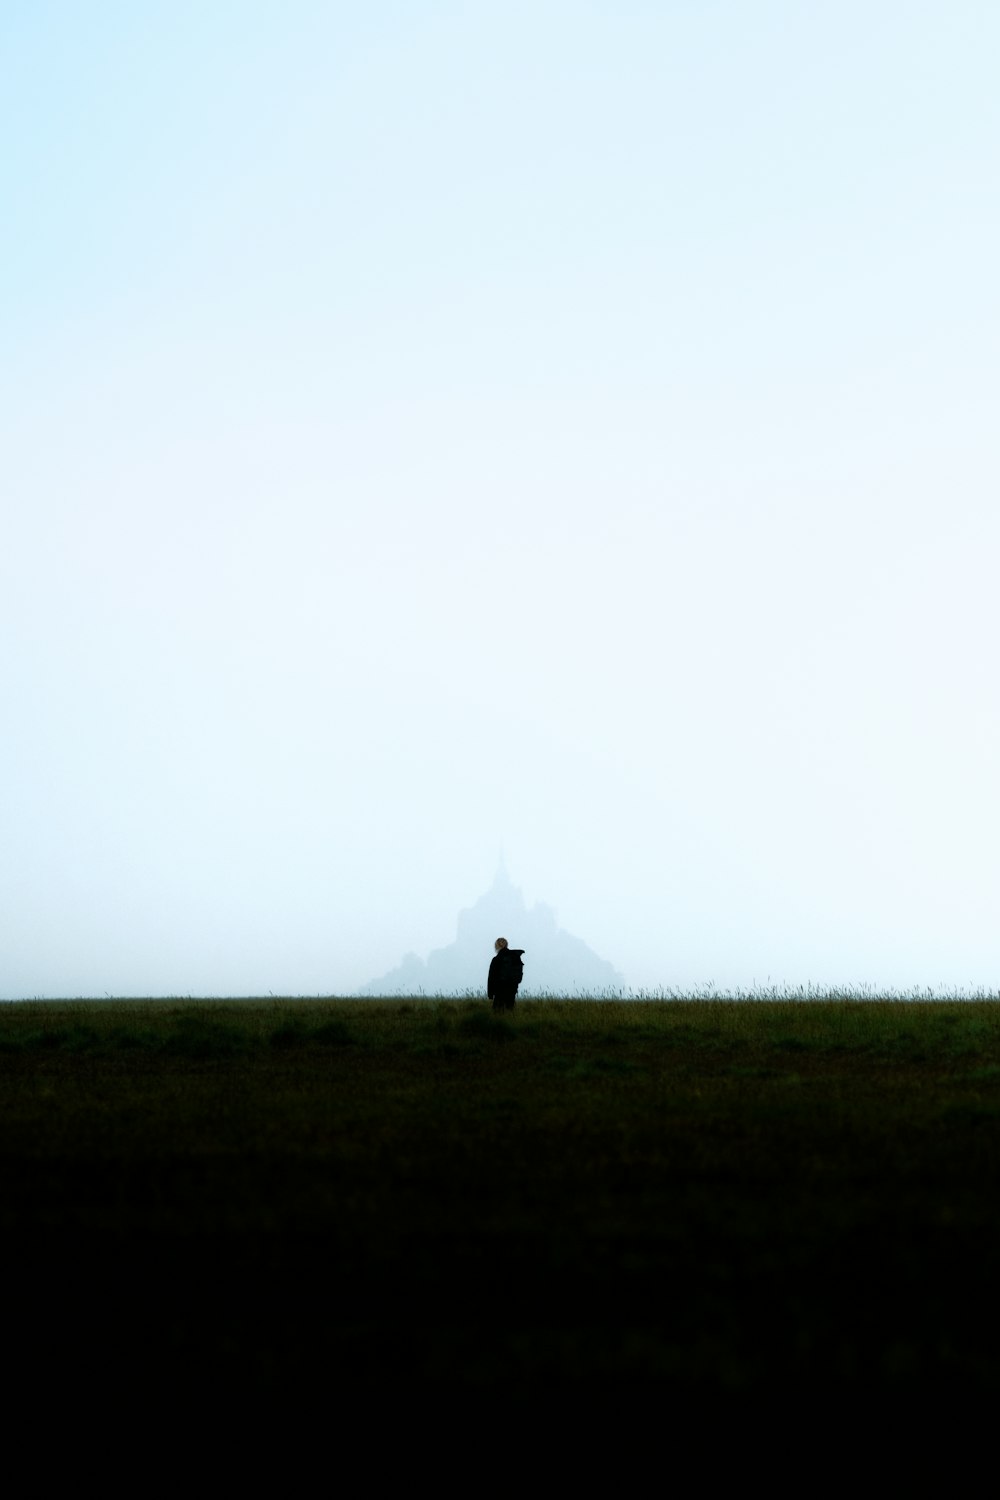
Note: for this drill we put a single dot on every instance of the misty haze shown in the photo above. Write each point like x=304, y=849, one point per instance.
x=434, y=428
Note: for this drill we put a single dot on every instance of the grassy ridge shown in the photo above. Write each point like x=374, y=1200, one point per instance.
x=711, y=1193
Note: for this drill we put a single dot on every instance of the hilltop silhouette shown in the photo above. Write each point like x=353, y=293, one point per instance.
x=555, y=961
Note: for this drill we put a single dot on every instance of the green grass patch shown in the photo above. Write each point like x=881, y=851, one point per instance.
x=711, y=1193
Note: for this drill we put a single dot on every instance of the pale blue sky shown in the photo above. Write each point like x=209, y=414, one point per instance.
x=427, y=427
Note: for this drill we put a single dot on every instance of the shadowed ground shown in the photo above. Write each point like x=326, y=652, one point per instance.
x=707, y=1194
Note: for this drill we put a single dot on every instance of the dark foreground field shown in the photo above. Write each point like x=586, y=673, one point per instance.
x=268, y=1195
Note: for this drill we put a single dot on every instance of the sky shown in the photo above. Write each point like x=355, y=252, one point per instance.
x=428, y=429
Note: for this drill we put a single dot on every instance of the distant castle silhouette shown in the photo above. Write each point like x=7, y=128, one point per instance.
x=555, y=962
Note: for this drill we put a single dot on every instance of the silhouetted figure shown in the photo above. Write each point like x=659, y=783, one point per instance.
x=506, y=973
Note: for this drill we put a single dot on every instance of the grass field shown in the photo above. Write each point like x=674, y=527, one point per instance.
x=603, y=1194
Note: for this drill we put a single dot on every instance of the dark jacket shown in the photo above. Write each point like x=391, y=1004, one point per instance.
x=505, y=973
